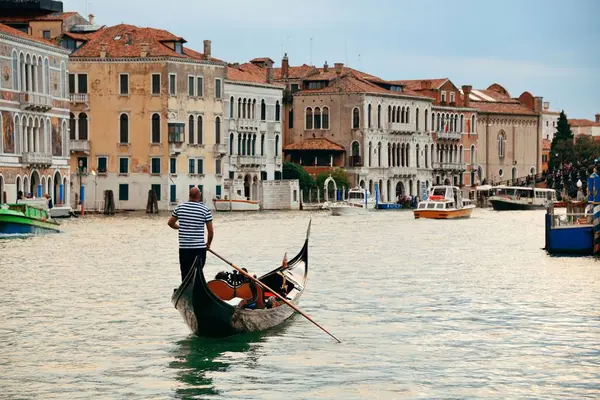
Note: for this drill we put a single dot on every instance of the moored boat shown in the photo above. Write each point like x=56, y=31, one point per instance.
x=25, y=219
x=444, y=202
x=512, y=198
x=206, y=306
x=236, y=203
x=359, y=202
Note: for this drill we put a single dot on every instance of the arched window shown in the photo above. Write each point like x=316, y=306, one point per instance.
x=379, y=116
x=231, y=144
x=254, y=145
x=408, y=155
x=191, y=129
x=461, y=154
x=254, y=109
x=369, y=110
x=244, y=108
x=473, y=126
x=200, y=132
x=355, y=149
x=417, y=156
x=308, y=118
x=462, y=123
x=291, y=118
x=239, y=108
x=15, y=70
x=501, y=142
x=243, y=139
x=426, y=120
x=262, y=144
x=239, y=151
x=379, y=154
x=218, y=130
x=83, y=126
x=317, y=118
x=417, y=119
x=277, y=111
x=46, y=76
x=155, y=128
x=263, y=111
x=370, y=152
x=72, y=127
x=355, y=119
x=426, y=151
x=407, y=115
x=276, y=145
x=124, y=129
x=398, y=110
x=389, y=120
x=231, y=106
x=402, y=118
x=325, y=117
x=249, y=107
x=472, y=155
x=389, y=153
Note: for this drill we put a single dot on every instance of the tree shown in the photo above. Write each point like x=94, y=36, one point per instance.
x=295, y=171
x=339, y=176
x=561, y=150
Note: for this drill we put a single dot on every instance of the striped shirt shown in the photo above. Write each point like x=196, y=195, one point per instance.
x=192, y=216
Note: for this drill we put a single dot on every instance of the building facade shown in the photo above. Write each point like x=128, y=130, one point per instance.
x=549, y=122
x=586, y=127
x=34, y=111
x=374, y=129
x=252, y=153
x=146, y=116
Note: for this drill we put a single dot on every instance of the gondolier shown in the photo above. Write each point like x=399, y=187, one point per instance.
x=192, y=216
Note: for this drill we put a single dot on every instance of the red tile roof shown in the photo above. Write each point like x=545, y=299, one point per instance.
x=314, y=144
x=580, y=123
x=125, y=41
x=546, y=144
x=421, y=84
x=297, y=72
x=57, y=16
x=247, y=72
x=502, y=107
x=261, y=60
x=17, y=33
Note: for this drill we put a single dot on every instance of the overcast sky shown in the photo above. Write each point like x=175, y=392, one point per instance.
x=550, y=48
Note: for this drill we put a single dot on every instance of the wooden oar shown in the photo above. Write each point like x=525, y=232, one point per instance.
x=247, y=275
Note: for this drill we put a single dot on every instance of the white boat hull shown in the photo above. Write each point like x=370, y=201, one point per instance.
x=236, y=205
x=60, y=212
x=347, y=210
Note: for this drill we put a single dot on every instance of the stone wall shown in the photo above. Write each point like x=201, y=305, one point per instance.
x=280, y=195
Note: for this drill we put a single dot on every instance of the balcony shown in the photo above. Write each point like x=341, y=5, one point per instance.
x=449, y=135
x=399, y=172
x=41, y=159
x=35, y=101
x=220, y=149
x=248, y=161
x=355, y=161
x=80, y=146
x=449, y=166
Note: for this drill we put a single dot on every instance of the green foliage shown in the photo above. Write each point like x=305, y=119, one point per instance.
x=562, y=149
x=295, y=171
x=339, y=176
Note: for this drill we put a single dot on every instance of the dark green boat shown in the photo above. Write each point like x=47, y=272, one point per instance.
x=209, y=315
x=23, y=219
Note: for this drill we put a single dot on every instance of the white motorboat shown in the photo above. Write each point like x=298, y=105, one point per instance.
x=358, y=202
x=237, y=203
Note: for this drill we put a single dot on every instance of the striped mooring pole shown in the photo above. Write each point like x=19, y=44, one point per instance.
x=594, y=200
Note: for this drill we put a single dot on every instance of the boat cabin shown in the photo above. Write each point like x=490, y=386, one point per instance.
x=519, y=192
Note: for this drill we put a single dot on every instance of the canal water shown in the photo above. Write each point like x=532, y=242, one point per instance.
x=425, y=309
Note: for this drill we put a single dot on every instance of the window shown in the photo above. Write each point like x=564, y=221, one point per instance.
x=217, y=130
x=218, y=167
x=46, y=34
x=379, y=116
x=500, y=172
x=179, y=47
x=295, y=88
x=443, y=97
x=325, y=118
x=417, y=119
x=473, y=125
x=192, y=166
x=263, y=111
x=200, y=131
x=276, y=145
x=426, y=119
x=68, y=43
x=262, y=144
x=369, y=109
x=217, y=88
x=176, y=132
x=190, y=86
x=173, y=194
x=355, y=118
x=172, y=84
x=71, y=83
x=173, y=165
x=155, y=84
x=83, y=126
x=156, y=189
x=124, y=129
x=102, y=164
x=231, y=106
x=15, y=71
x=155, y=128
x=200, y=83
x=451, y=97
x=82, y=163
x=123, y=192
x=501, y=142
x=277, y=111
x=291, y=118
x=155, y=165
x=123, y=84
x=218, y=191
x=201, y=188
x=72, y=129
x=191, y=130
x=82, y=83
x=200, y=166
x=123, y=165
x=317, y=118
x=309, y=118
x=47, y=75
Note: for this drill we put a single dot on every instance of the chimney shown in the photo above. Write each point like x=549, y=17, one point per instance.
x=598, y=118
x=546, y=105
x=91, y=19
x=269, y=74
x=537, y=104
x=466, y=92
x=102, y=50
x=285, y=66
x=325, y=67
x=207, y=48
x=144, y=49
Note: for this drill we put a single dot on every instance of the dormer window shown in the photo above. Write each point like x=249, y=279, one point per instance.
x=451, y=97
x=395, y=88
x=316, y=85
x=179, y=47
x=443, y=97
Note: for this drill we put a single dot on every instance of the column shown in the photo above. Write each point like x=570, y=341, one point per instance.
x=77, y=127
x=36, y=141
x=29, y=77
x=35, y=79
x=23, y=77
x=30, y=135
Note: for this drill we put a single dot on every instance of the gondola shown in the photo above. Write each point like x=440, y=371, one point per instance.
x=205, y=310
